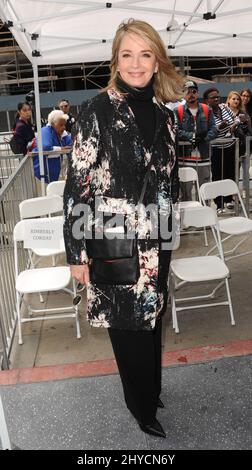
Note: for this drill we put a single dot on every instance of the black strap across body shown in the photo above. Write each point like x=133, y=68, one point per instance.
x=114, y=257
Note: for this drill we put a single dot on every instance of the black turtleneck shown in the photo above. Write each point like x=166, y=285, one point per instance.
x=140, y=101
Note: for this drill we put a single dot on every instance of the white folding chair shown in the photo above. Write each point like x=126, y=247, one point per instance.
x=55, y=188
x=190, y=175
x=230, y=226
x=50, y=279
x=41, y=207
x=199, y=269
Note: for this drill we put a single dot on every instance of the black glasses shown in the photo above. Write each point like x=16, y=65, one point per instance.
x=192, y=91
x=245, y=96
x=215, y=97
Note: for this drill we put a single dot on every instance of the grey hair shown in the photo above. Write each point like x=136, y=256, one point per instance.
x=55, y=115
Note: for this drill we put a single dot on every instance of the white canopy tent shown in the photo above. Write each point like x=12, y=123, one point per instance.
x=72, y=31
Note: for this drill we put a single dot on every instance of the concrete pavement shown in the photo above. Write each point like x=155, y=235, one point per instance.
x=207, y=406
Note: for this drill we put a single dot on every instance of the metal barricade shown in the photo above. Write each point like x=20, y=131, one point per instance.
x=189, y=156
x=5, y=136
x=8, y=164
x=194, y=160
x=50, y=154
x=20, y=185
x=8, y=161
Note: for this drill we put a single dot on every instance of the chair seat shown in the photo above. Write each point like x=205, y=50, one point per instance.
x=235, y=225
x=43, y=279
x=189, y=204
x=50, y=251
x=201, y=268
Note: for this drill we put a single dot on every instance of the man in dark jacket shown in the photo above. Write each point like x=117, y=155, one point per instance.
x=196, y=125
x=64, y=105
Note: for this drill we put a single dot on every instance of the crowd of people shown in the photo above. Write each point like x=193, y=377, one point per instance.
x=198, y=123
x=56, y=136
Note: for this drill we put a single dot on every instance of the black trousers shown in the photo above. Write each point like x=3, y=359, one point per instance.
x=223, y=169
x=138, y=357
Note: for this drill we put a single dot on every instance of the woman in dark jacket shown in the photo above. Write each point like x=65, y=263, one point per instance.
x=23, y=128
x=118, y=132
x=246, y=96
x=244, y=128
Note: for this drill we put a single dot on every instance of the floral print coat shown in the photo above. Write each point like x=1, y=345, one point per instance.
x=109, y=160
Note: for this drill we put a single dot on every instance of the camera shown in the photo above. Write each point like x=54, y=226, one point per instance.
x=30, y=98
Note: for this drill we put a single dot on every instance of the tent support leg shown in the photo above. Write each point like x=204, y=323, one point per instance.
x=38, y=122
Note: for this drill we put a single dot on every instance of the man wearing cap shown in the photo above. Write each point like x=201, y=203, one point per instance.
x=195, y=125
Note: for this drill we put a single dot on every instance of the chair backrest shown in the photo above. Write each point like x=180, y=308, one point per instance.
x=221, y=188
x=250, y=171
x=55, y=187
x=187, y=174
x=40, y=206
x=200, y=217
x=20, y=229
x=21, y=232
x=218, y=188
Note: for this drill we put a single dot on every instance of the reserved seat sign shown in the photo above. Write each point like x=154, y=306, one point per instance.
x=43, y=233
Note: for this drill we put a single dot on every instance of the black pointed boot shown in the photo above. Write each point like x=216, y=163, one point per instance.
x=155, y=429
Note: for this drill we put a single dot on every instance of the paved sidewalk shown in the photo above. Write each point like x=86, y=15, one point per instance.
x=208, y=406
x=53, y=342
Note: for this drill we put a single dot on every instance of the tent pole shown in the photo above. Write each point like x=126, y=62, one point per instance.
x=38, y=122
x=4, y=435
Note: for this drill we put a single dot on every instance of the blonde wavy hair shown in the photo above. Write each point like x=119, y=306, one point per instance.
x=230, y=94
x=168, y=84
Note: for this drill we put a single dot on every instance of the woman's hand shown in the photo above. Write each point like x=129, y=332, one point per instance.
x=233, y=127
x=223, y=125
x=81, y=273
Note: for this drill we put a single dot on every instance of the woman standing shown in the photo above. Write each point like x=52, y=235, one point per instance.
x=223, y=156
x=238, y=108
x=23, y=129
x=246, y=96
x=120, y=134
x=243, y=129
x=54, y=137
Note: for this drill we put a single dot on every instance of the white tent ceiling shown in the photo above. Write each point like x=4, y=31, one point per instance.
x=71, y=31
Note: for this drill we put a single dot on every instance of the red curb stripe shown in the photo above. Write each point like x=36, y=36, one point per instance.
x=108, y=366
x=207, y=353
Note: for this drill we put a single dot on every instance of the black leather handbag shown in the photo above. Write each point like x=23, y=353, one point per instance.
x=115, y=261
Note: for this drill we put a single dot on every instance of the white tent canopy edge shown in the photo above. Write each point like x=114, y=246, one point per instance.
x=72, y=31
